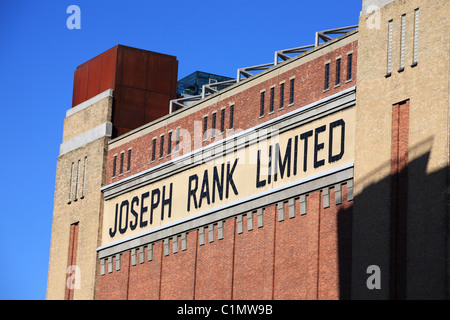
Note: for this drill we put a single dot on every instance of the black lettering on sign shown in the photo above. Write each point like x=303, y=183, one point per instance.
x=285, y=164
x=333, y=158
x=295, y=154
x=305, y=136
x=134, y=213
x=217, y=181
x=269, y=166
x=123, y=220
x=111, y=232
x=191, y=192
x=123, y=229
x=204, y=191
x=318, y=146
x=156, y=194
x=144, y=209
x=166, y=202
x=230, y=181
x=283, y=161
x=259, y=183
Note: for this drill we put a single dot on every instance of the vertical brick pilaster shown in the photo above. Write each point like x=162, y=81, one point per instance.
x=399, y=199
x=72, y=259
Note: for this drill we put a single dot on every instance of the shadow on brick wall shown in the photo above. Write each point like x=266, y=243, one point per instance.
x=398, y=224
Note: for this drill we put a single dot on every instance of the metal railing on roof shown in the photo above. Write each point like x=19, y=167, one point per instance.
x=179, y=102
x=325, y=36
x=246, y=71
x=213, y=87
x=207, y=89
x=283, y=54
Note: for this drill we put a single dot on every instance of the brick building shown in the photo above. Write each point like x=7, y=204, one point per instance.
x=324, y=175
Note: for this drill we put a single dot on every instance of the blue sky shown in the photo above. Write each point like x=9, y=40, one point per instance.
x=38, y=55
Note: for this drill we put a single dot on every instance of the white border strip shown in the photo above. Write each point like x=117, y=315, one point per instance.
x=212, y=145
x=91, y=101
x=103, y=130
x=232, y=204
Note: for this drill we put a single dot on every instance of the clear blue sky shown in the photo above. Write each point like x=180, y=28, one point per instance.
x=38, y=55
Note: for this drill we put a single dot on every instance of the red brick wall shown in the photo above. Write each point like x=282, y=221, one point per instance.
x=214, y=271
x=178, y=272
x=399, y=198
x=117, y=284
x=254, y=259
x=146, y=278
x=296, y=256
x=309, y=87
x=306, y=257
x=72, y=260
